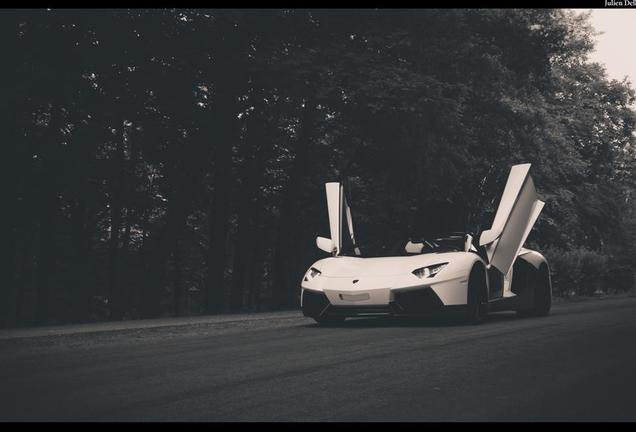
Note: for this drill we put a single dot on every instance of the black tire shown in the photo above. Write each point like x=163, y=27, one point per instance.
x=477, y=307
x=542, y=297
x=542, y=293
x=329, y=320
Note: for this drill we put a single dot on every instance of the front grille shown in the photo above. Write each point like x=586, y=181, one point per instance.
x=314, y=303
x=421, y=300
x=352, y=311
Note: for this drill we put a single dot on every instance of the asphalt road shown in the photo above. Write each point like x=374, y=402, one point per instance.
x=579, y=364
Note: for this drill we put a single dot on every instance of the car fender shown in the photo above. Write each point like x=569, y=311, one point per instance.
x=452, y=286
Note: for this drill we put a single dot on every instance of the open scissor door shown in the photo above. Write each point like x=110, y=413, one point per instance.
x=518, y=210
x=337, y=207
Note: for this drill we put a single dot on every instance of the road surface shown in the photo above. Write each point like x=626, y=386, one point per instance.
x=578, y=364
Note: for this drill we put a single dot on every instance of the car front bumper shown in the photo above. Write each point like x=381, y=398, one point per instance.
x=411, y=302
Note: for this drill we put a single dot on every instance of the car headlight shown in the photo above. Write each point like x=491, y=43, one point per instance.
x=429, y=271
x=312, y=273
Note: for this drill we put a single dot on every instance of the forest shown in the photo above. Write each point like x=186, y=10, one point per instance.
x=172, y=162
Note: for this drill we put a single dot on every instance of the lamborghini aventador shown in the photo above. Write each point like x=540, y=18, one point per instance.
x=434, y=274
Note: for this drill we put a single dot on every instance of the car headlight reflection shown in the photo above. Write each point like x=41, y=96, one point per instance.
x=429, y=271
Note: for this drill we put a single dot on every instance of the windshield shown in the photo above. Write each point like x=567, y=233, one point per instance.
x=418, y=244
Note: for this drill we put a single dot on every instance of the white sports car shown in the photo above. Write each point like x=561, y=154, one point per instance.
x=431, y=275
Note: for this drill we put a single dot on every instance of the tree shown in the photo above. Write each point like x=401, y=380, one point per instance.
x=172, y=161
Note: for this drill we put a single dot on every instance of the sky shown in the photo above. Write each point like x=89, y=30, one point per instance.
x=615, y=48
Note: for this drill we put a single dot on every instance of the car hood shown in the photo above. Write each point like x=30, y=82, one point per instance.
x=344, y=266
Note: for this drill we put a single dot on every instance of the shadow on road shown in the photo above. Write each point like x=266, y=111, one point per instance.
x=429, y=321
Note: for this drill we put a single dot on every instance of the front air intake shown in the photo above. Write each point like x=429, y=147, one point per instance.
x=314, y=302
x=416, y=301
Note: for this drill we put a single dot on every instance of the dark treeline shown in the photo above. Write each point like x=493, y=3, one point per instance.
x=171, y=162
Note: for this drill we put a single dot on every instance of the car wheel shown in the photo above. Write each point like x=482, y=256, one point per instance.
x=542, y=294
x=477, y=307
x=542, y=297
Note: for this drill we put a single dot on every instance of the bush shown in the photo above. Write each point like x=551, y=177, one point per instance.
x=619, y=278
x=582, y=272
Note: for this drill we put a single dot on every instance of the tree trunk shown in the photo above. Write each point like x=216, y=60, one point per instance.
x=218, y=226
x=126, y=272
x=254, y=148
x=116, y=204
x=13, y=165
x=157, y=247
x=255, y=272
x=47, y=201
x=23, y=274
x=177, y=284
x=79, y=289
x=288, y=221
x=7, y=223
x=80, y=294
x=226, y=135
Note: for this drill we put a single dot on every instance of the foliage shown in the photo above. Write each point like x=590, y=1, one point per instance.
x=586, y=272
x=171, y=161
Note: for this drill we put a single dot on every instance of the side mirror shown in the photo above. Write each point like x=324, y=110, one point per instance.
x=325, y=244
x=413, y=248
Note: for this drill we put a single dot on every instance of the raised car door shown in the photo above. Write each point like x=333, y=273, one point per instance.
x=337, y=207
x=334, y=208
x=518, y=210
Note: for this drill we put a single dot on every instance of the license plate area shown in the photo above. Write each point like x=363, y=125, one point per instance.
x=354, y=297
